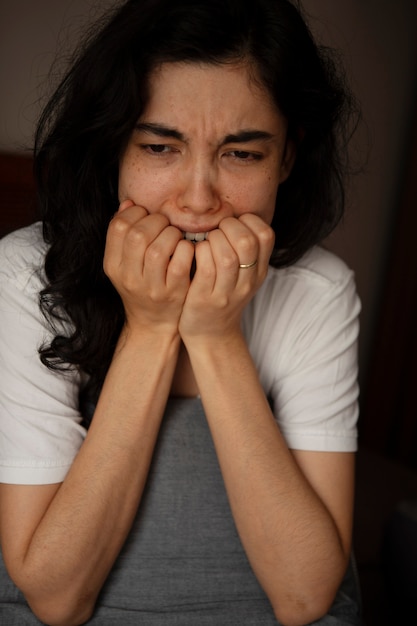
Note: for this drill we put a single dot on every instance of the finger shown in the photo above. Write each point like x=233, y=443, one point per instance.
x=265, y=236
x=116, y=233
x=122, y=221
x=159, y=254
x=129, y=234
x=226, y=262
x=140, y=236
x=243, y=240
x=205, y=274
x=179, y=266
x=125, y=204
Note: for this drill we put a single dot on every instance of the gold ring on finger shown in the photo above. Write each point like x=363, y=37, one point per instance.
x=245, y=266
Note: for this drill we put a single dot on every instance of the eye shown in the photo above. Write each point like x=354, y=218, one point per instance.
x=244, y=155
x=157, y=148
x=154, y=148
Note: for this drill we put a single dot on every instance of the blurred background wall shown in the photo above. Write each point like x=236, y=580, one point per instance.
x=378, y=42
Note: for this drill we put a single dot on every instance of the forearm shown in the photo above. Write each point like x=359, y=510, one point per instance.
x=289, y=536
x=74, y=547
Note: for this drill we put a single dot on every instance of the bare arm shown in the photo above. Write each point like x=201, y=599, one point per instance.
x=70, y=534
x=60, y=541
x=293, y=510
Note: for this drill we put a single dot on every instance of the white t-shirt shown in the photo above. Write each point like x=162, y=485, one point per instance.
x=301, y=328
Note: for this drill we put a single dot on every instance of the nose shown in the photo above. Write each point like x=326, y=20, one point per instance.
x=200, y=187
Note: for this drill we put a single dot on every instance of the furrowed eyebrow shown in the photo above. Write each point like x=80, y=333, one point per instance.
x=167, y=132
x=160, y=130
x=247, y=135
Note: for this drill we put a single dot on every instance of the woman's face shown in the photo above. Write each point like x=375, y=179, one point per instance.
x=210, y=144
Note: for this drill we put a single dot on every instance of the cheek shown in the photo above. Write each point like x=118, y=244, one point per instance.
x=128, y=174
x=257, y=198
x=137, y=183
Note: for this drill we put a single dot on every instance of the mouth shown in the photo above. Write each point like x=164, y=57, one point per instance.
x=195, y=237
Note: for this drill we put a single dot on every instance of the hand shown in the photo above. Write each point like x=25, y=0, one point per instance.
x=148, y=263
x=221, y=289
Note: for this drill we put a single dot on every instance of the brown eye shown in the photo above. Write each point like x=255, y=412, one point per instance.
x=244, y=155
x=156, y=148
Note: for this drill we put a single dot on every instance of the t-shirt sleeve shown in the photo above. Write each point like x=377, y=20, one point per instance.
x=307, y=355
x=40, y=422
x=317, y=400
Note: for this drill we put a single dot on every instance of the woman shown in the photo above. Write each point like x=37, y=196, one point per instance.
x=179, y=407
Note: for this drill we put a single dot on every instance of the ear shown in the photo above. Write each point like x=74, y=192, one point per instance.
x=288, y=159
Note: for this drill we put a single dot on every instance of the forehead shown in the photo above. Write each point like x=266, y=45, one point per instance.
x=228, y=93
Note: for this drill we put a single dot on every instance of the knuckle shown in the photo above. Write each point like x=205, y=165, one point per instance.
x=267, y=235
x=154, y=253
x=176, y=271
x=222, y=302
x=119, y=225
x=228, y=262
x=135, y=235
x=155, y=296
x=179, y=269
x=246, y=244
x=206, y=271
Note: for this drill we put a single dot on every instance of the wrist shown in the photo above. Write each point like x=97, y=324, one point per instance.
x=214, y=343
x=157, y=337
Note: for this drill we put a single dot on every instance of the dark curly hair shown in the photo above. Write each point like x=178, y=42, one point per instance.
x=85, y=127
